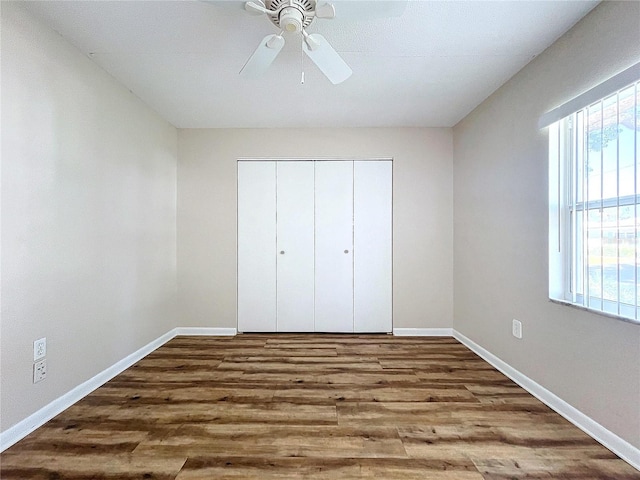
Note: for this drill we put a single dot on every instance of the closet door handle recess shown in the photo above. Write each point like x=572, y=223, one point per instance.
x=346, y=251
x=281, y=252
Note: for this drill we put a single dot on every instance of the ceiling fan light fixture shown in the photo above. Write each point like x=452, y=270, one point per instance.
x=291, y=20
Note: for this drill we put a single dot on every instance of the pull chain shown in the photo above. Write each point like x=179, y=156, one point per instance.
x=302, y=62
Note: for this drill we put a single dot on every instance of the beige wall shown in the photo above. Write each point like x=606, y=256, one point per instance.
x=88, y=217
x=500, y=224
x=422, y=210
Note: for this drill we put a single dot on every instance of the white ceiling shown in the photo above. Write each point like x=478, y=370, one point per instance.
x=429, y=67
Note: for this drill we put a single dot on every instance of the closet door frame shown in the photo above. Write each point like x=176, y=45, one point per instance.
x=357, y=326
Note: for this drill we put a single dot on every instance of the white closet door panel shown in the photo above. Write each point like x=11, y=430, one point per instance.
x=334, y=246
x=373, y=246
x=295, y=281
x=256, y=246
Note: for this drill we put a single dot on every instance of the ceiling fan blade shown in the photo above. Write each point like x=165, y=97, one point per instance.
x=325, y=10
x=256, y=7
x=326, y=58
x=264, y=56
x=363, y=10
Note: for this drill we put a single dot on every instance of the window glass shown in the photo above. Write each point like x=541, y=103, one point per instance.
x=595, y=153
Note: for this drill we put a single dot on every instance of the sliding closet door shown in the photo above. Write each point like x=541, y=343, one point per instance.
x=334, y=246
x=295, y=231
x=257, y=246
x=372, y=246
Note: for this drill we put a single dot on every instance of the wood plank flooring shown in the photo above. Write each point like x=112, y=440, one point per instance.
x=311, y=407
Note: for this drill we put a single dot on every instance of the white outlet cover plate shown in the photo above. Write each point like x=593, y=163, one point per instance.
x=39, y=349
x=39, y=371
x=516, y=328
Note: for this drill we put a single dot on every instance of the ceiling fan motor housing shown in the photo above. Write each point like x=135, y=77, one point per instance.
x=291, y=20
x=295, y=15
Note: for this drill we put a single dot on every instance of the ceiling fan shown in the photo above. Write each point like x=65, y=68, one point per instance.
x=293, y=17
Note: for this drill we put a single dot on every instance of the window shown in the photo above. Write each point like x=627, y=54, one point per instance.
x=594, y=194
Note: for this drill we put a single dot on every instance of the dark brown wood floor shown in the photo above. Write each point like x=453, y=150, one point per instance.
x=311, y=407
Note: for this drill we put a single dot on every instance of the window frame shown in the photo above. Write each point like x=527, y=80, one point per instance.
x=568, y=156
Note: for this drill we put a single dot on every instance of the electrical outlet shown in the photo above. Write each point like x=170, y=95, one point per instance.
x=39, y=349
x=516, y=328
x=39, y=371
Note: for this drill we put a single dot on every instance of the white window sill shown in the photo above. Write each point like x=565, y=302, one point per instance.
x=597, y=312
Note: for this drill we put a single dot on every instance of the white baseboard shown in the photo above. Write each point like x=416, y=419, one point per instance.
x=46, y=413
x=423, y=332
x=215, y=332
x=613, y=442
